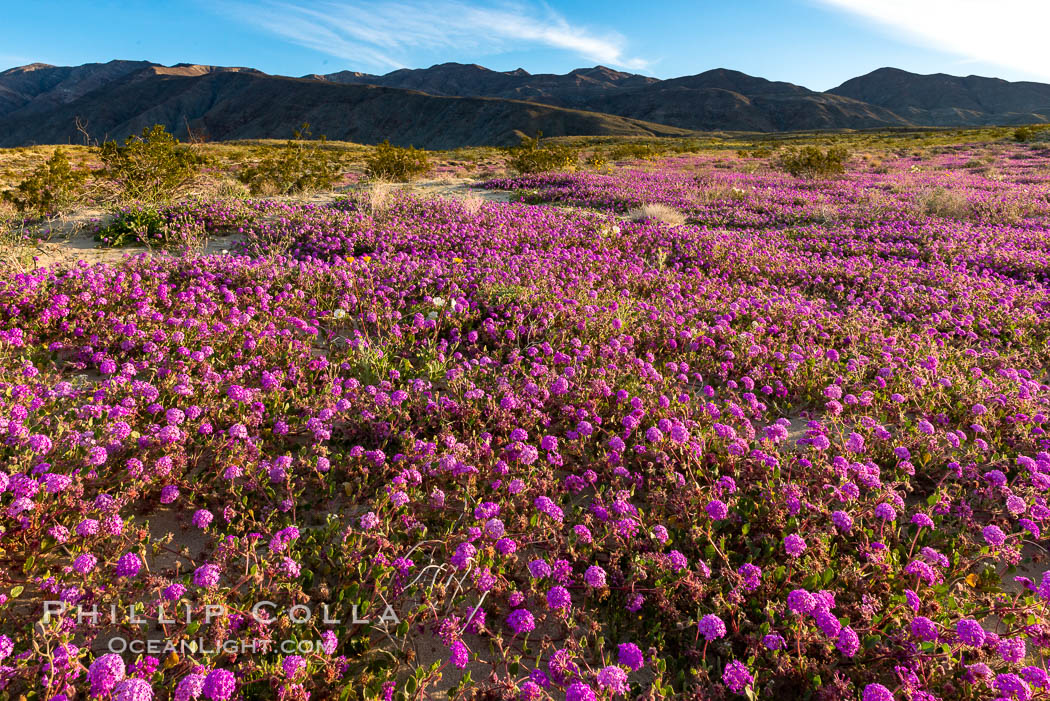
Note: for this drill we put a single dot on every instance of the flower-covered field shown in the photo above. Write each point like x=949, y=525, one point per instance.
x=794, y=448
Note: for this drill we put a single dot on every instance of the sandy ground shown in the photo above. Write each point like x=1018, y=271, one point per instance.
x=71, y=238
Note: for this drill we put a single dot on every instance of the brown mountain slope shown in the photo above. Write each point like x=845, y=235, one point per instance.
x=239, y=105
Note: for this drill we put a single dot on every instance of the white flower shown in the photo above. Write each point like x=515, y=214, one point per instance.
x=439, y=301
x=339, y=313
x=432, y=315
x=225, y=251
x=452, y=304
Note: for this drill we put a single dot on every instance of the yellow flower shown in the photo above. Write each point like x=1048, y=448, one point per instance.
x=457, y=260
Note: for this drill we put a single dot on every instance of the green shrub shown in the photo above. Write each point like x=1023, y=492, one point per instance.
x=301, y=165
x=136, y=225
x=755, y=151
x=1030, y=133
x=689, y=146
x=388, y=162
x=50, y=189
x=529, y=157
x=811, y=162
x=152, y=167
x=597, y=161
x=643, y=152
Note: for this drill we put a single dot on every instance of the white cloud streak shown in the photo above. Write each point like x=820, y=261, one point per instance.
x=383, y=35
x=1006, y=33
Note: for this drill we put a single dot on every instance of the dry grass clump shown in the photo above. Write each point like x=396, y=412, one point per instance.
x=16, y=250
x=471, y=202
x=707, y=193
x=876, y=203
x=1003, y=211
x=376, y=198
x=657, y=212
x=826, y=213
x=942, y=202
x=228, y=188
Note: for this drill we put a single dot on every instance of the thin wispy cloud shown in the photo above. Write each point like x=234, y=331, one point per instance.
x=1007, y=33
x=385, y=35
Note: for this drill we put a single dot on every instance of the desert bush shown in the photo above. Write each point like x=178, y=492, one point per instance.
x=529, y=157
x=942, y=202
x=755, y=152
x=388, y=162
x=301, y=165
x=637, y=151
x=657, y=212
x=186, y=224
x=134, y=225
x=152, y=167
x=690, y=146
x=1031, y=133
x=50, y=189
x=597, y=161
x=811, y=162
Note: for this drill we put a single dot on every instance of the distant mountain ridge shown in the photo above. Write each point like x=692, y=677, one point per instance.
x=43, y=104
x=472, y=80
x=946, y=99
x=452, y=104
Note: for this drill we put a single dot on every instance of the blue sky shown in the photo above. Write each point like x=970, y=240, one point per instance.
x=816, y=43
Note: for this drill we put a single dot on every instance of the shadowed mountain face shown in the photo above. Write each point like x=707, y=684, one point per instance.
x=457, y=79
x=228, y=104
x=950, y=100
x=452, y=104
x=39, y=87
